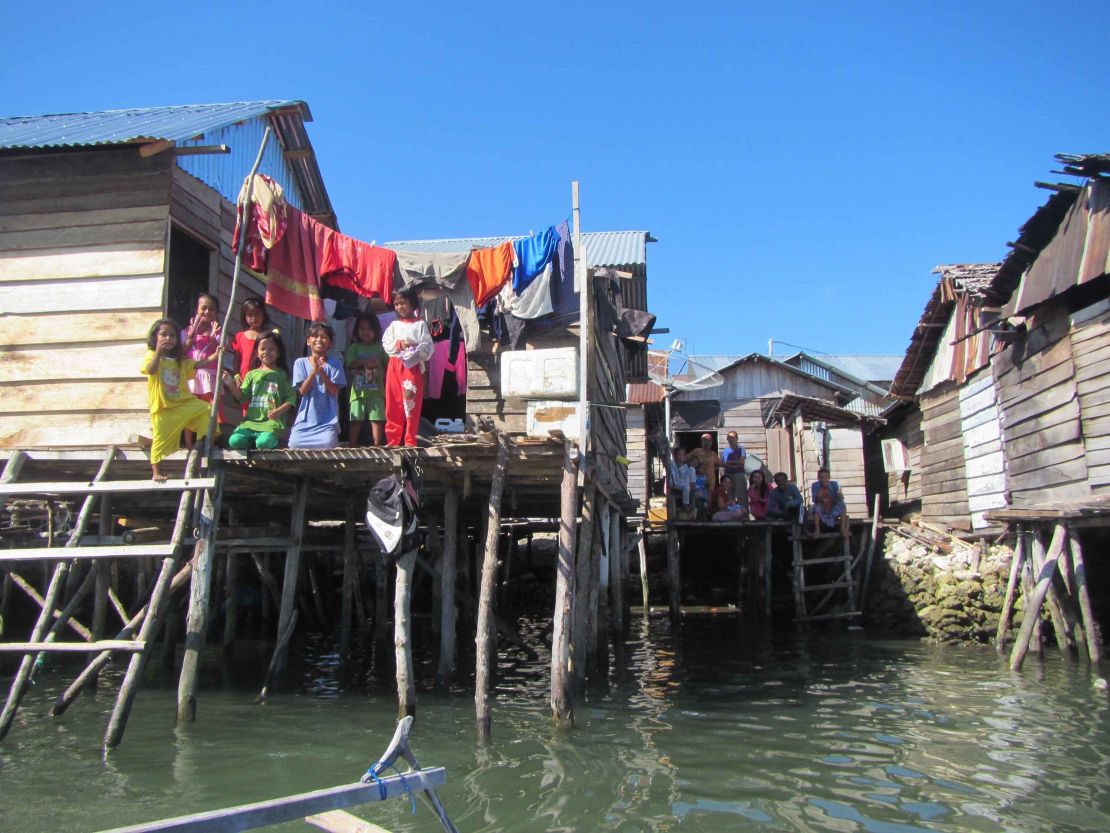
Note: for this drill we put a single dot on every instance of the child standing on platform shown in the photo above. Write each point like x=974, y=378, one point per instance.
x=365, y=360
x=318, y=378
x=409, y=344
x=173, y=409
x=199, y=341
x=252, y=315
x=268, y=396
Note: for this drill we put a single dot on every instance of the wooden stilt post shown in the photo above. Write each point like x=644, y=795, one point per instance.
x=292, y=569
x=1090, y=624
x=231, y=600
x=1036, y=642
x=616, y=573
x=1064, y=640
x=624, y=548
x=350, y=577
x=100, y=593
x=1034, y=600
x=196, y=627
x=674, y=575
x=51, y=597
x=12, y=467
x=561, y=701
x=446, y=666
x=641, y=550
x=767, y=565
x=1011, y=592
x=598, y=606
x=156, y=608
x=402, y=635
x=484, y=639
x=581, y=596
x=434, y=547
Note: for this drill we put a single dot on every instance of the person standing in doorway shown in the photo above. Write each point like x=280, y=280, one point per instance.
x=732, y=462
x=707, y=455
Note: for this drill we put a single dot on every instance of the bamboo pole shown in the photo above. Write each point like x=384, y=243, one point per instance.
x=1090, y=624
x=1011, y=592
x=580, y=598
x=200, y=591
x=12, y=467
x=1034, y=600
x=641, y=549
x=100, y=593
x=159, y=598
x=292, y=570
x=402, y=635
x=50, y=601
x=484, y=639
x=561, y=700
x=350, y=577
x=448, y=610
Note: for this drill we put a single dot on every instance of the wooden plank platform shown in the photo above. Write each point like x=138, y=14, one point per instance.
x=83, y=553
x=73, y=647
x=106, y=487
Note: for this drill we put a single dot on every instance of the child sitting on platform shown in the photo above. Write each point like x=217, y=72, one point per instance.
x=318, y=378
x=173, y=409
x=268, y=395
x=829, y=511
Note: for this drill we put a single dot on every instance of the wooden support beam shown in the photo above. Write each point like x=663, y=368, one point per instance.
x=73, y=647
x=292, y=570
x=156, y=607
x=1011, y=592
x=562, y=711
x=402, y=635
x=45, y=619
x=579, y=650
x=33, y=594
x=448, y=611
x=100, y=487
x=483, y=639
x=200, y=590
x=616, y=574
x=350, y=576
x=1090, y=624
x=674, y=571
x=1064, y=640
x=641, y=549
x=23, y=554
x=1034, y=600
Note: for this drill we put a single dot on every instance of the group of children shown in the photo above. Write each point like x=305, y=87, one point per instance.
x=702, y=495
x=384, y=371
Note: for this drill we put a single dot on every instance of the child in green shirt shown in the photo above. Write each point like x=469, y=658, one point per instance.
x=365, y=360
x=269, y=395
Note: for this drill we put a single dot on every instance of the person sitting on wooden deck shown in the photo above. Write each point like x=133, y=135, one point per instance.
x=759, y=496
x=785, y=501
x=723, y=506
x=706, y=454
x=732, y=464
x=701, y=490
x=829, y=511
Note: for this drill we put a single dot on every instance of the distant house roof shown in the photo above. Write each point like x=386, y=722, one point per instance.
x=865, y=367
x=182, y=125
x=813, y=410
x=603, y=248
x=643, y=393
x=973, y=279
x=722, y=364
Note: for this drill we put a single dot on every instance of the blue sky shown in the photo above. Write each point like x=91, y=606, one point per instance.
x=804, y=166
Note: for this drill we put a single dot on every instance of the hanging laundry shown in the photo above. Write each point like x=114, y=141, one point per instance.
x=302, y=254
x=466, y=311
x=488, y=270
x=419, y=269
x=533, y=302
x=532, y=254
x=353, y=265
x=449, y=359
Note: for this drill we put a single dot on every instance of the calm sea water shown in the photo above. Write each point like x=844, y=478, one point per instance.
x=710, y=728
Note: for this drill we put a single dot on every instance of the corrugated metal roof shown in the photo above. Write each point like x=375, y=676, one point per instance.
x=643, y=393
x=717, y=363
x=108, y=127
x=869, y=368
x=603, y=248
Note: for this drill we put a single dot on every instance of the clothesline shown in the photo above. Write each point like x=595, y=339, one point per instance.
x=305, y=261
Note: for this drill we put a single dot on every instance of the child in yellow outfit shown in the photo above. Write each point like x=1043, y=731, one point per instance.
x=172, y=407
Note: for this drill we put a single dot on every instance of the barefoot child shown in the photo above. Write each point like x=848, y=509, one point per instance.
x=173, y=408
x=268, y=394
x=365, y=361
x=318, y=378
x=409, y=344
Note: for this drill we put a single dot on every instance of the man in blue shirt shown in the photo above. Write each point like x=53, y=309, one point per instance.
x=732, y=459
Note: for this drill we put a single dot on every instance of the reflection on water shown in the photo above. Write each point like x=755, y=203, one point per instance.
x=711, y=729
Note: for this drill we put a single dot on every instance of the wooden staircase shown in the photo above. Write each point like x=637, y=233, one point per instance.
x=198, y=496
x=836, y=582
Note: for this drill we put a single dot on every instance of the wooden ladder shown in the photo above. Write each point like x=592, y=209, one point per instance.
x=806, y=611
x=139, y=629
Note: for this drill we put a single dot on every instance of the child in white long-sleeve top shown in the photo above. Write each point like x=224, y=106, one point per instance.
x=409, y=344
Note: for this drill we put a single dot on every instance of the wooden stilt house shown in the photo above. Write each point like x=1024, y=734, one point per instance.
x=109, y=221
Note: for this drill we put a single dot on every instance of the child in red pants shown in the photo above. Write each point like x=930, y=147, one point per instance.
x=409, y=344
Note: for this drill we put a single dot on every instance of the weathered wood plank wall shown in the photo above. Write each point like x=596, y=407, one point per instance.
x=1090, y=339
x=903, y=488
x=638, y=474
x=984, y=460
x=1036, y=384
x=943, y=473
x=82, y=264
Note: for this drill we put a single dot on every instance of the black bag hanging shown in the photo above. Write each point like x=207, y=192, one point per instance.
x=391, y=516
